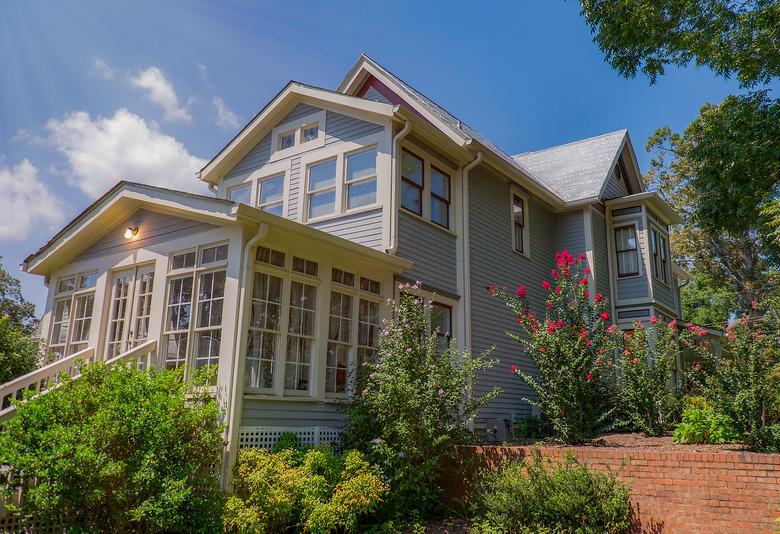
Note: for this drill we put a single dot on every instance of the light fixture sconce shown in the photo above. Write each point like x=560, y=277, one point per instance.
x=131, y=232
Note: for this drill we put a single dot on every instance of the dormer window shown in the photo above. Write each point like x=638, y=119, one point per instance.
x=286, y=140
x=298, y=135
x=310, y=132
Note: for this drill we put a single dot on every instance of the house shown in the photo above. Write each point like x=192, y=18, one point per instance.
x=322, y=204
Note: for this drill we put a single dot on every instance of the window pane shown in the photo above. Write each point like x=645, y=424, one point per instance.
x=310, y=133
x=322, y=175
x=321, y=204
x=241, y=194
x=361, y=165
x=361, y=194
x=68, y=284
x=518, y=210
x=440, y=183
x=271, y=189
x=411, y=197
x=183, y=261
x=412, y=168
x=276, y=209
x=627, y=263
x=440, y=212
x=87, y=280
x=441, y=319
x=625, y=238
x=270, y=256
x=175, y=350
x=286, y=140
x=260, y=355
x=214, y=254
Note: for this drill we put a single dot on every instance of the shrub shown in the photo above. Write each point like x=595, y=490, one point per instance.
x=765, y=439
x=416, y=405
x=317, y=491
x=531, y=497
x=529, y=427
x=118, y=450
x=701, y=424
x=570, y=348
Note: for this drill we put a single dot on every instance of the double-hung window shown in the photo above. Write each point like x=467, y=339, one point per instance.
x=361, y=178
x=265, y=329
x=441, y=324
x=440, y=197
x=241, y=193
x=72, y=315
x=321, y=189
x=658, y=249
x=368, y=320
x=627, y=251
x=270, y=194
x=519, y=222
x=412, y=182
x=194, y=304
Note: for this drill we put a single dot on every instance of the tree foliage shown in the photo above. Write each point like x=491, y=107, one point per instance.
x=731, y=37
x=20, y=312
x=721, y=173
x=20, y=352
x=117, y=450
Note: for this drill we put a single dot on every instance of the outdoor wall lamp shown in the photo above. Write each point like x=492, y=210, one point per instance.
x=131, y=232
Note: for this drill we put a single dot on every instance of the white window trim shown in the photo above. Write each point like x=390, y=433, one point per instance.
x=514, y=191
x=637, y=231
x=658, y=232
x=243, y=185
x=72, y=296
x=297, y=126
x=429, y=160
x=347, y=183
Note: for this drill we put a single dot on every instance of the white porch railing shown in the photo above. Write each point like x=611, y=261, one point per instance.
x=49, y=376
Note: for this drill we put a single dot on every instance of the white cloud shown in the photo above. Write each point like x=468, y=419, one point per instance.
x=161, y=92
x=225, y=117
x=26, y=202
x=103, y=68
x=104, y=150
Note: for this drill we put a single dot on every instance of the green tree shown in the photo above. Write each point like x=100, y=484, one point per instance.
x=12, y=304
x=117, y=450
x=721, y=173
x=20, y=352
x=728, y=36
x=707, y=302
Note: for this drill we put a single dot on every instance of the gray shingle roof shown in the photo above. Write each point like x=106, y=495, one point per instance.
x=576, y=170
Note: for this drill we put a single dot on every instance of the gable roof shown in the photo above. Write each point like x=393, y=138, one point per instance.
x=577, y=170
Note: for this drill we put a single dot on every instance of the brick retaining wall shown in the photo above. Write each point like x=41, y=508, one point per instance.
x=685, y=492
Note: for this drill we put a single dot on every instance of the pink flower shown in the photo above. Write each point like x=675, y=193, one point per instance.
x=560, y=324
x=583, y=334
x=599, y=361
x=491, y=289
x=513, y=369
x=542, y=349
x=549, y=305
x=586, y=270
x=604, y=316
x=583, y=256
x=598, y=297
x=754, y=304
x=586, y=294
x=609, y=363
x=588, y=343
x=440, y=392
x=545, y=285
x=551, y=328
x=602, y=350
x=635, y=360
x=554, y=274
x=653, y=319
x=589, y=376
x=557, y=290
x=626, y=352
x=408, y=350
x=611, y=329
x=519, y=319
x=584, y=281
x=521, y=291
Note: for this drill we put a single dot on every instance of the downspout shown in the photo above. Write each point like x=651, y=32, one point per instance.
x=235, y=399
x=465, y=241
x=394, y=175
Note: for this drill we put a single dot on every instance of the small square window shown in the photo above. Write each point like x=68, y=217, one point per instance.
x=310, y=132
x=301, y=265
x=372, y=286
x=286, y=140
x=270, y=256
x=343, y=277
x=214, y=254
x=185, y=260
x=87, y=281
x=66, y=284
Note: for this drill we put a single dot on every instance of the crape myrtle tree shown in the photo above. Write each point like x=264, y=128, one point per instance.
x=572, y=348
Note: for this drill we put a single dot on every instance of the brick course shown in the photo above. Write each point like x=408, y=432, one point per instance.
x=685, y=492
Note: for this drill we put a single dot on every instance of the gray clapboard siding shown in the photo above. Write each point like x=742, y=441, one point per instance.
x=433, y=252
x=294, y=189
x=376, y=96
x=571, y=232
x=493, y=261
x=255, y=158
x=271, y=412
x=153, y=228
x=663, y=294
x=363, y=228
x=297, y=112
x=600, y=252
x=615, y=187
x=632, y=288
x=343, y=128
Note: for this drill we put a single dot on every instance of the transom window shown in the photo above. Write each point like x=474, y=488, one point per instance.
x=342, y=277
x=372, y=286
x=72, y=315
x=412, y=182
x=304, y=266
x=183, y=260
x=361, y=178
x=626, y=249
x=270, y=256
x=321, y=189
x=213, y=254
x=270, y=194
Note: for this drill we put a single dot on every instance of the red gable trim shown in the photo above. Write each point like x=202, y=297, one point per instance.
x=386, y=92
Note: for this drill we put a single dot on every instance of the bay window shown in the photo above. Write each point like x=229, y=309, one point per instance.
x=658, y=250
x=440, y=197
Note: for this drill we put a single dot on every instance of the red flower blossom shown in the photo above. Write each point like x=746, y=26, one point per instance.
x=550, y=328
x=602, y=350
x=588, y=343
x=583, y=256
x=545, y=285
x=560, y=324
x=554, y=274
x=549, y=305
x=521, y=291
x=557, y=290
x=491, y=289
x=598, y=297
x=542, y=349
x=583, y=334
x=611, y=329
x=586, y=270
x=754, y=304
x=586, y=294
x=589, y=376
x=626, y=352
x=599, y=361
x=513, y=369
x=519, y=319
x=604, y=316
x=653, y=319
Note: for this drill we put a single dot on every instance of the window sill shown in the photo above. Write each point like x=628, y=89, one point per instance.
x=273, y=396
x=524, y=255
x=428, y=222
x=333, y=216
x=667, y=285
x=630, y=276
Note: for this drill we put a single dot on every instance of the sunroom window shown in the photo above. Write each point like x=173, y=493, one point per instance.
x=300, y=338
x=339, y=342
x=264, y=331
x=72, y=315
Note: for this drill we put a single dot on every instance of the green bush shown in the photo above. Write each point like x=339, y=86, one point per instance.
x=531, y=497
x=765, y=439
x=529, y=427
x=701, y=424
x=316, y=491
x=118, y=450
x=20, y=351
x=415, y=406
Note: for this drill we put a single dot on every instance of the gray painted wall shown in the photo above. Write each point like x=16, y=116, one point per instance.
x=432, y=250
x=270, y=412
x=600, y=252
x=615, y=188
x=364, y=228
x=664, y=294
x=571, y=232
x=154, y=228
x=493, y=261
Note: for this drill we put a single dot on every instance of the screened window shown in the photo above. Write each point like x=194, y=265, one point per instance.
x=321, y=189
x=339, y=342
x=518, y=223
x=264, y=331
x=242, y=194
x=411, y=182
x=626, y=248
x=361, y=178
x=440, y=197
x=300, y=337
x=270, y=195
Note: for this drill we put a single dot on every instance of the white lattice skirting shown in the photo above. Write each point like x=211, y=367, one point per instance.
x=264, y=437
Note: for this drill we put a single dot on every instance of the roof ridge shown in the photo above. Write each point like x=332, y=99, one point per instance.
x=570, y=143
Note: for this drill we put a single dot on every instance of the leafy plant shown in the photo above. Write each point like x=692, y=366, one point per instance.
x=766, y=439
x=316, y=491
x=529, y=427
x=701, y=424
x=570, y=348
x=415, y=407
x=537, y=496
x=20, y=352
x=117, y=450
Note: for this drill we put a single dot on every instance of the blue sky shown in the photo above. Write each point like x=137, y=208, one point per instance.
x=94, y=92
